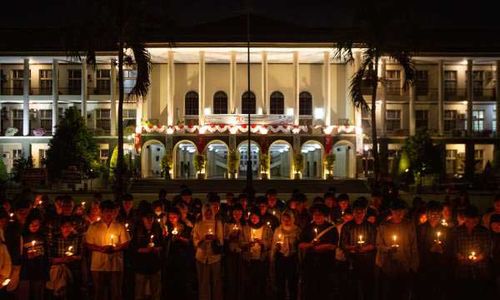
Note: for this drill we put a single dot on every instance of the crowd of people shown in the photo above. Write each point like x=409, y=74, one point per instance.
x=239, y=248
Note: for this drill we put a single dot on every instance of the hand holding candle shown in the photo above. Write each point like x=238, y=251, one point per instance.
x=69, y=252
x=472, y=256
x=361, y=241
x=438, y=237
x=112, y=240
x=6, y=282
x=151, y=241
x=394, y=241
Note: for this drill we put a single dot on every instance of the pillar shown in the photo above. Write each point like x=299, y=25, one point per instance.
x=296, y=86
x=384, y=97
x=201, y=87
x=440, y=97
x=26, y=97
x=112, y=98
x=497, y=98
x=170, y=88
x=232, y=83
x=411, y=111
x=264, y=77
x=84, y=91
x=55, y=94
x=470, y=97
x=327, y=88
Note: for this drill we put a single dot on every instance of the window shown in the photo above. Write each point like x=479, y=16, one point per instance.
x=191, y=104
x=103, y=155
x=74, y=81
x=103, y=82
x=477, y=82
x=248, y=103
x=305, y=104
x=450, y=84
x=422, y=82
x=102, y=119
x=129, y=78
x=45, y=82
x=494, y=121
x=277, y=104
x=220, y=103
x=478, y=120
x=392, y=119
x=17, y=120
x=451, y=161
x=17, y=153
x=129, y=117
x=421, y=119
x=366, y=119
x=46, y=119
x=393, y=82
x=450, y=120
x=18, y=81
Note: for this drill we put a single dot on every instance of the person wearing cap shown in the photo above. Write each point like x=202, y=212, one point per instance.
x=495, y=210
x=255, y=240
x=317, y=245
x=146, y=246
x=397, y=253
x=107, y=239
x=434, y=247
x=358, y=240
x=495, y=239
x=179, y=257
x=472, y=251
x=233, y=262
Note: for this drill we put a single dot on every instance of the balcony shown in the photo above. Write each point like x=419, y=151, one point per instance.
x=7, y=91
x=427, y=94
x=484, y=94
x=99, y=91
x=70, y=91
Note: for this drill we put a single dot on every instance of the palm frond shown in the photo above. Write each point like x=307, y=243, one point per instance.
x=405, y=61
x=142, y=59
x=356, y=86
x=343, y=51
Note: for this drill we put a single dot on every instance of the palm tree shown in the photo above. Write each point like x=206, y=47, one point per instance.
x=118, y=25
x=381, y=36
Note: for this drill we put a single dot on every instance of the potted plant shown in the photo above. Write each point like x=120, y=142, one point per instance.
x=233, y=163
x=166, y=165
x=39, y=132
x=199, y=165
x=330, y=161
x=264, y=165
x=298, y=164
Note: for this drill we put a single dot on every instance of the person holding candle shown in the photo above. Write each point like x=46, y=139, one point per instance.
x=302, y=215
x=107, y=239
x=494, y=210
x=330, y=202
x=342, y=207
x=284, y=258
x=145, y=246
x=233, y=260
x=264, y=214
x=65, y=254
x=495, y=239
x=34, y=259
x=472, y=249
x=208, y=239
x=434, y=247
x=317, y=244
x=358, y=240
x=5, y=267
x=274, y=206
x=256, y=241
x=179, y=254
x=397, y=253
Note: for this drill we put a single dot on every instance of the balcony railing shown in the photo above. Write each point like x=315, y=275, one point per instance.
x=70, y=91
x=99, y=91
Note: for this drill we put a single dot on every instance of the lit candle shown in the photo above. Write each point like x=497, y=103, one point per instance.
x=274, y=213
x=112, y=240
x=158, y=220
x=394, y=240
x=69, y=252
x=315, y=235
x=280, y=239
x=252, y=235
x=444, y=223
x=6, y=282
x=126, y=226
x=83, y=204
x=151, y=242
x=98, y=219
x=175, y=232
x=11, y=215
x=472, y=256
x=210, y=231
x=438, y=235
x=360, y=240
x=235, y=227
x=33, y=243
x=268, y=224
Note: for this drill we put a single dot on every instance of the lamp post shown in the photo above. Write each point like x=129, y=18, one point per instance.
x=249, y=160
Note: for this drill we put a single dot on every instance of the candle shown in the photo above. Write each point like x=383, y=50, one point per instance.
x=175, y=232
x=151, y=242
x=438, y=235
x=98, y=219
x=274, y=213
x=158, y=220
x=315, y=235
x=472, y=255
x=83, y=204
x=6, y=282
x=444, y=223
x=280, y=239
x=69, y=252
x=268, y=224
x=360, y=240
x=112, y=240
x=252, y=235
x=235, y=227
x=11, y=215
x=210, y=231
x=33, y=243
x=394, y=240
x=126, y=226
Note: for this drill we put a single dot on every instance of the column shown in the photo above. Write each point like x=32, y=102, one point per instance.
x=440, y=97
x=296, y=86
x=55, y=94
x=327, y=88
x=470, y=97
x=497, y=98
x=232, y=83
x=384, y=97
x=201, y=87
x=112, y=97
x=84, y=90
x=170, y=88
x=26, y=97
x=411, y=111
x=264, y=77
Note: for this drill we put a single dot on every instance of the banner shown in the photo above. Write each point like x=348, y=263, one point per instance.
x=243, y=119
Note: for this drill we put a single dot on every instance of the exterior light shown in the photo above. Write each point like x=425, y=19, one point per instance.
x=259, y=111
x=289, y=111
x=207, y=111
x=359, y=130
x=319, y=113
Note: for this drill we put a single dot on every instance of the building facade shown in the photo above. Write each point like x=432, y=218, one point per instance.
x=299, y=103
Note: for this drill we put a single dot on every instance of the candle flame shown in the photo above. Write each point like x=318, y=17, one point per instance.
x=33, y=243
x=6, y=282
x=438, y=233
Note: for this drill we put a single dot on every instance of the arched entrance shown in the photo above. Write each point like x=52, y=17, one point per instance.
x=184, y=153
x=216, y=153
x=313, y=160
x=151, y=156
x=345, y=158
x=280, y=154
x=254, y=157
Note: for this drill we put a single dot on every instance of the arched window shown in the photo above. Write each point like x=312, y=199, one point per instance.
x=277, y=104
x=248, y=103
x=191, y=107
x=305, y=104
x=220, y=103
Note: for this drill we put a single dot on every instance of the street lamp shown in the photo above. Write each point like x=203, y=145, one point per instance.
x=249, y=161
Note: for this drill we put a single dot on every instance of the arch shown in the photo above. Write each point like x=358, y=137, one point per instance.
x=151, y=156
x=277, y=103
x=191, y=104
x=313, y=159
x=345, y=159
x=220, y=103
x=305, y=104
x=281, y=163
x=216, y=153
x=183, y=158
x=242, y=149
x=248, y=103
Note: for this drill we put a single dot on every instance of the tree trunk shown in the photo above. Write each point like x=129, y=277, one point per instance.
x=376, y=158
x=120, y=168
